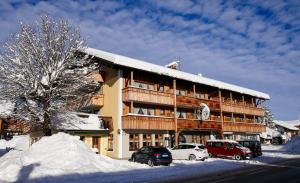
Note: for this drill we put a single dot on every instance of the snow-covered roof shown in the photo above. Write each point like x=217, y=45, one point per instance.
x=78, y=121
x=6, y=108
x=294, y=122
x=285, y=124
x=146, y=66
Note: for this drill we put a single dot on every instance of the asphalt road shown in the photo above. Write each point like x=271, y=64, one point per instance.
x=287, y=171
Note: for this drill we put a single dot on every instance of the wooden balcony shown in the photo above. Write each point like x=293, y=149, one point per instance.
x=95, y=102
x=243, y=127
x=193, y=102
x=190, y=124
x=147, y=122
x=227, y=107
x=147, y=96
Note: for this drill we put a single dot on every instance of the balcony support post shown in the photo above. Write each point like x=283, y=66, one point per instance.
x=131, y=78
x=194, y=90
x=221, y=113
x=231, y=102
x=175, y=112
x=131, y=107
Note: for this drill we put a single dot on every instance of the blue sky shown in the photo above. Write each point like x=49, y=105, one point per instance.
x=255, y=44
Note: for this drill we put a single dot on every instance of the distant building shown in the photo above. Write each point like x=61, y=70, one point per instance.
x=286, y=129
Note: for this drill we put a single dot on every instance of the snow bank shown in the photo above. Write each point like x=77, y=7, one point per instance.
x=59, y=154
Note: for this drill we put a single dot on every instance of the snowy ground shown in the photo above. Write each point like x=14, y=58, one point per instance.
x=64, y=158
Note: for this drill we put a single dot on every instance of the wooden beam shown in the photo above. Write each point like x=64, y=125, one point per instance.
x=175, y=112
x=231, y=101
x=194, y=90
x=131, y=78
x=131, y=107
x=221, y=113
x=243, y=99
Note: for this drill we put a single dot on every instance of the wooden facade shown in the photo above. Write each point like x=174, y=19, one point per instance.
x=229, y=111
x=147, y=96
x=147, y=123
x=244, y=127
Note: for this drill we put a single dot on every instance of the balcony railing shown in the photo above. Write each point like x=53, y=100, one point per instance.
x=95, y=102
x=147, y=122
x=197, y=124
x=243, y=127
x=147, y=96
x=193, y=102
x=242, y=109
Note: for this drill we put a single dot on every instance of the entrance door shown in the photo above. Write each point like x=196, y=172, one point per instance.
x=96, y=143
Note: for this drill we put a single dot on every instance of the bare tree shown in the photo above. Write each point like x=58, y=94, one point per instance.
x=42, y=72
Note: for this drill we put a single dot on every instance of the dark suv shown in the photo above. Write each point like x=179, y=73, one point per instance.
x=253, y=145
x=152, y=155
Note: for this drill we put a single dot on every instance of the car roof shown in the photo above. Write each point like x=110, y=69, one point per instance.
x=195, y=144
x=221, y=140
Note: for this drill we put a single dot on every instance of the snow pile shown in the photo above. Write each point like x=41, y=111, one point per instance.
x=293, y=146
x=59, y=154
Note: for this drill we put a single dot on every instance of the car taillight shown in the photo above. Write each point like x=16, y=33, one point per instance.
x=156, y=155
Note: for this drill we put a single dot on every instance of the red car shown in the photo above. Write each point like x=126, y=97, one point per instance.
x=227, y=148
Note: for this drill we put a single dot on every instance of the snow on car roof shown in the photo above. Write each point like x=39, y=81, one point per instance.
x=220, y=140
x=149, y=67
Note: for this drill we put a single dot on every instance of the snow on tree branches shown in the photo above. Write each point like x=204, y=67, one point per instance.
x=42, y=73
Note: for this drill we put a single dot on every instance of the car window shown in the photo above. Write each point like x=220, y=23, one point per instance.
x=190, y=146
x=183, y=147
x=246, y=144
x=160, y=150
x=175, y=147
x=143, y=149
x=201, y=147
x=229, y=145
x=209, y=143
x=237, y=145
x=218, y=144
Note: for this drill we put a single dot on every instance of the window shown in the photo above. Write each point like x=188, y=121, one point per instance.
x=161, y=112
x=151, y=87
x=133, y=142
x=143, y=111
x=110, y=143
x=181, y=114
x=150, y=112
x=147, y=140
x=159, y=140
x=140, y=110
x=161, y=88
x=140, y=85
x=95, y=142
x=82, y=138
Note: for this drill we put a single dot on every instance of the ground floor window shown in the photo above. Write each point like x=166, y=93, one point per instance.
x=133, y=142
x=147, y=140
x=110, y=144
x=159, y=140
x=95, y=142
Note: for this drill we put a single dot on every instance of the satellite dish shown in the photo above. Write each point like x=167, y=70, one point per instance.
x=203, y=112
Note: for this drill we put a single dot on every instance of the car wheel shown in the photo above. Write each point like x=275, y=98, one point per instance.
x=150, y=162
x=238, y=157
x=210, y=155
x=192, y=157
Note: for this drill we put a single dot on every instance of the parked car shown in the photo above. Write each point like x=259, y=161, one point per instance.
x=152, y=156
x=253, y=145
x=227, y=148
x=190, y=151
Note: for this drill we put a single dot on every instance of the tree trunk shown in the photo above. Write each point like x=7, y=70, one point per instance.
x=47, y=120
